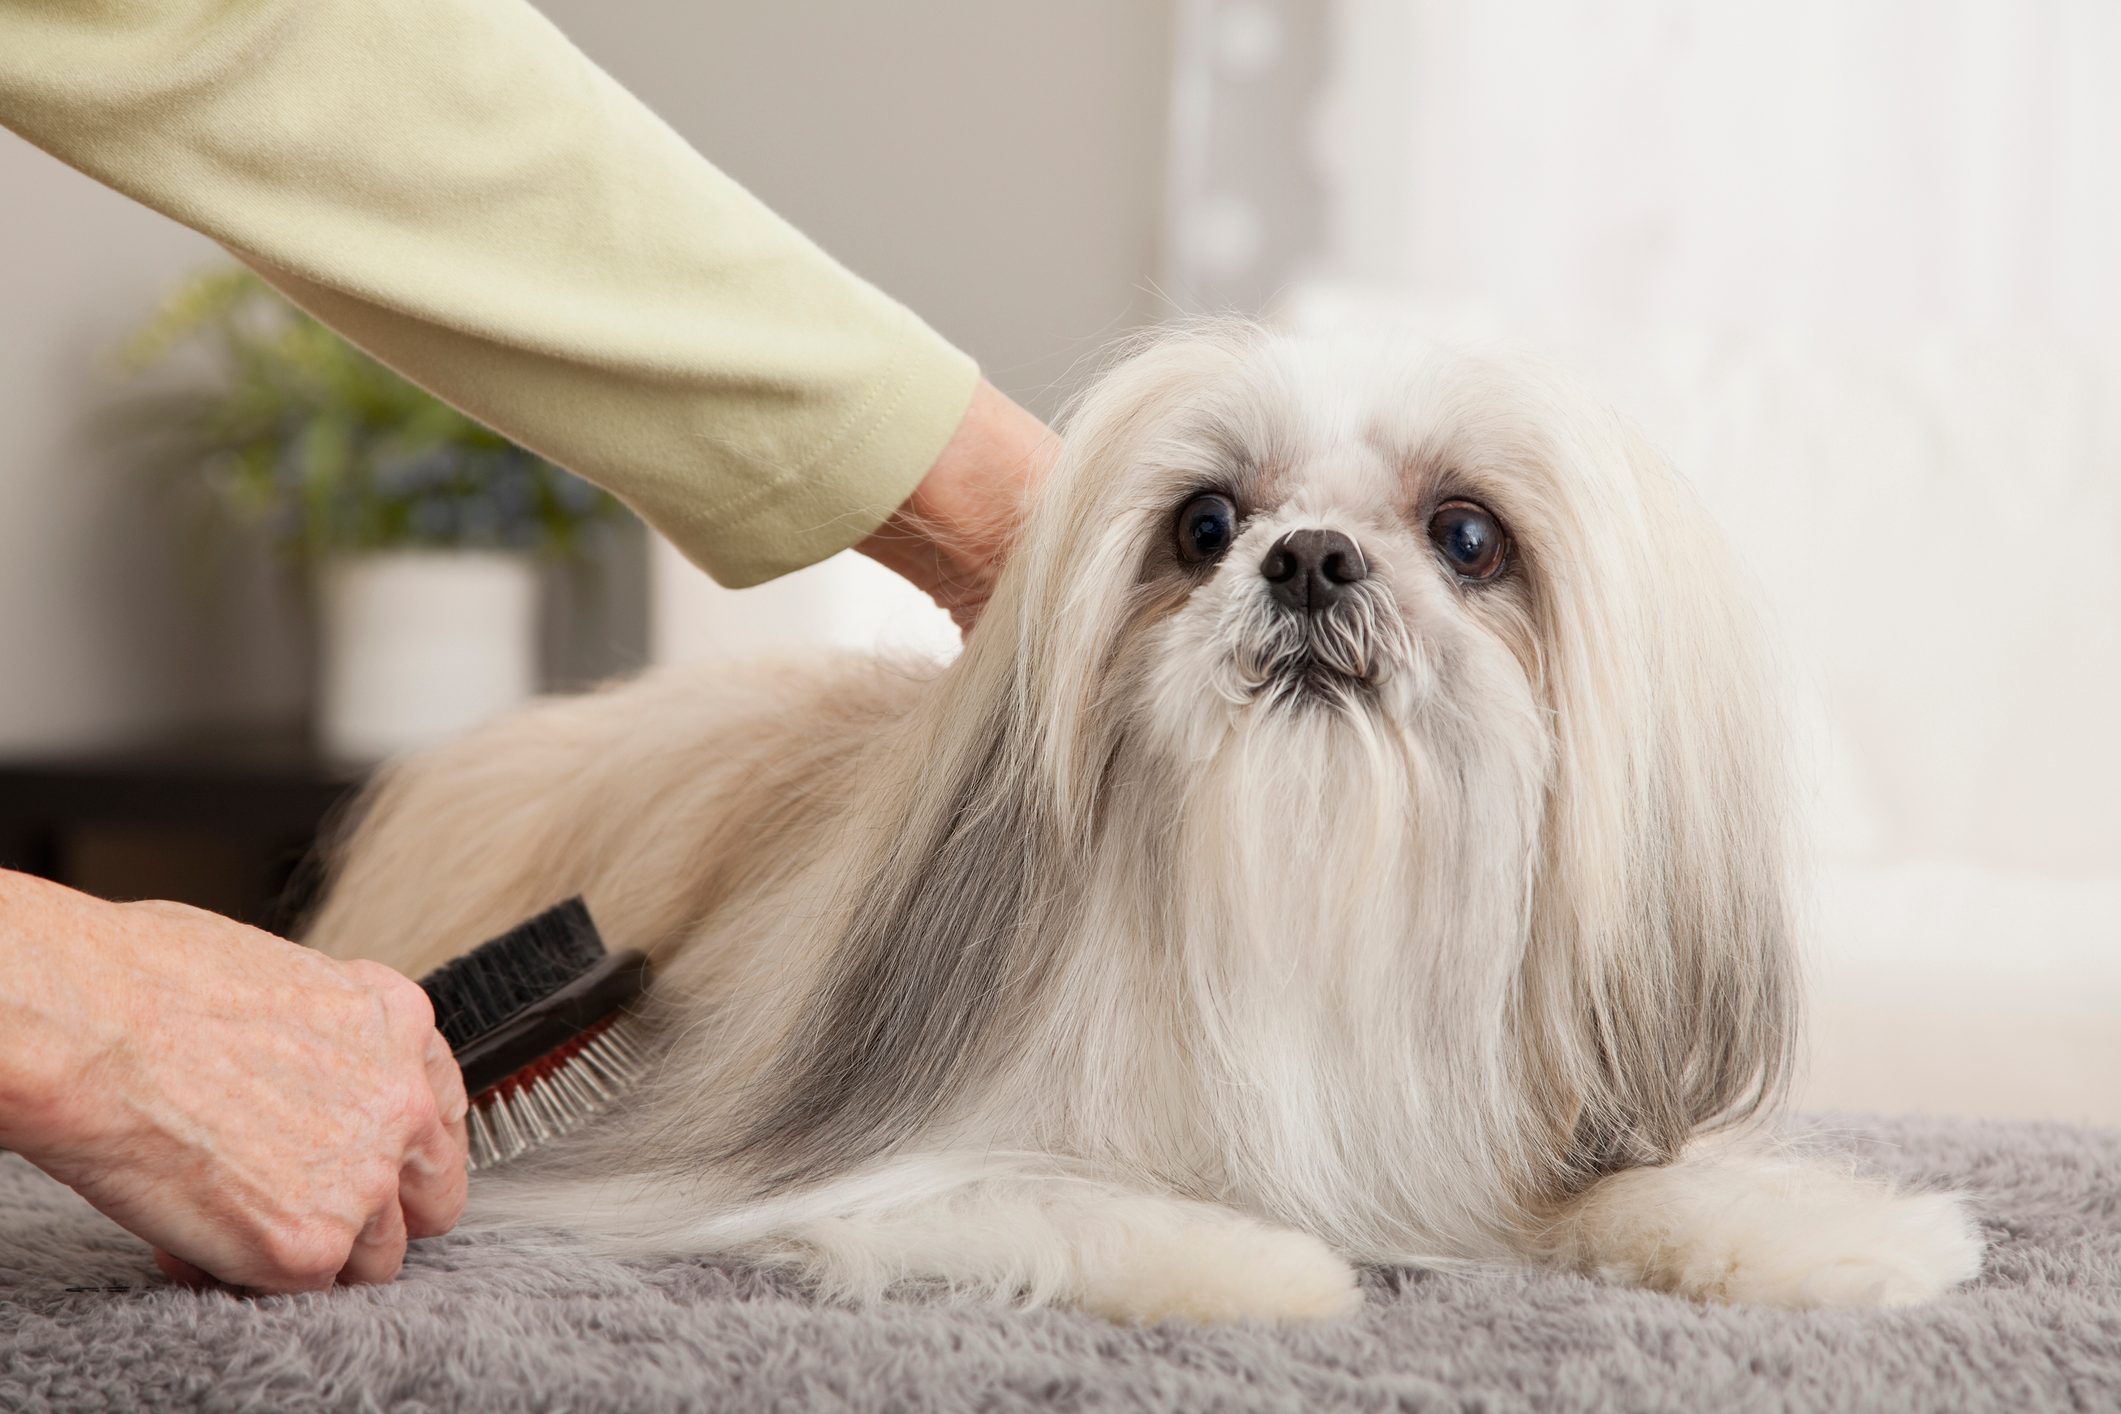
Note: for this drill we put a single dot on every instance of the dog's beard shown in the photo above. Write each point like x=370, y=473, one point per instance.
x=1338, y=658
x=1333, y=870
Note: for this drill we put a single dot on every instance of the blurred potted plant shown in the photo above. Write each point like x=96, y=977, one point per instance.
x=421, y=529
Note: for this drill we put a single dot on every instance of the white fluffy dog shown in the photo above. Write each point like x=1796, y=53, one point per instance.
x=1354, y=834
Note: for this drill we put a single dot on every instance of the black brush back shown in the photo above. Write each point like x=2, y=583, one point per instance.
x=530, y=962
x=519, y=999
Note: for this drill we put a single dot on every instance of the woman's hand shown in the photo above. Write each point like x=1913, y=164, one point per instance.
x=260, y=1113
x=953, y=533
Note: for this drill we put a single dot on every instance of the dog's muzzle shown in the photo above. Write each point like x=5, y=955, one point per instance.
x=1323, y=629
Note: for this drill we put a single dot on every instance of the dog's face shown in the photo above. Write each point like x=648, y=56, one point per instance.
x=1340, y=541
x=1266, y=534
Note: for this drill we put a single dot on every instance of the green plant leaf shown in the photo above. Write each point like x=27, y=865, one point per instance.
x=332, y=452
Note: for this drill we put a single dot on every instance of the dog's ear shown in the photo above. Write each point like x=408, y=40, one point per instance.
x=1067, y=595
x=937, y=966
x=1663, y=965
x=1689, y=1012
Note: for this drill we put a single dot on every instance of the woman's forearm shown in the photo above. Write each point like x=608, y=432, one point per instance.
x=452, y=185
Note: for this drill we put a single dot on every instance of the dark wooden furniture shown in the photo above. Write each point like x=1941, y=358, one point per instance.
x=227, y=823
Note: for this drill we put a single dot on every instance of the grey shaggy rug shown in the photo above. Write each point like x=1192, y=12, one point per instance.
x=483, y=1323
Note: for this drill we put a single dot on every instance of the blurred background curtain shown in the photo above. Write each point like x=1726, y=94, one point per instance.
x=1846, y=162
x=1853, y=264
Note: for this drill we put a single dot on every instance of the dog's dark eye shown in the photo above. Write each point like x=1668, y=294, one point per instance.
x=1473, y=542
x=1206, y=526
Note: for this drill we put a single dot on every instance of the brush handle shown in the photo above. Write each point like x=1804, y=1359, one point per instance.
x=552, y=1022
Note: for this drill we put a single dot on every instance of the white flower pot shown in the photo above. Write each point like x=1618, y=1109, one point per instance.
x=419, y=645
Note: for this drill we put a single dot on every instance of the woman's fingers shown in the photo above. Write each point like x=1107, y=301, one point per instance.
x=180, y=1271
x=432, y=1184
x=378, y=1250
x=446, y=1080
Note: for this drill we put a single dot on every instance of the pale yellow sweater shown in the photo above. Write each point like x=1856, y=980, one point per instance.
x=457, y=189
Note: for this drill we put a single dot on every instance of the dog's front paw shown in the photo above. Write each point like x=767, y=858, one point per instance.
x=1224, y=1271
x=1773, y=1233
x=1861, y=1249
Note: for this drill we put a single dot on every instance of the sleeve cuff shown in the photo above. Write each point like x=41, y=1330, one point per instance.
x=845, y=488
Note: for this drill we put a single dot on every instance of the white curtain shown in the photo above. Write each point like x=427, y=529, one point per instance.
x=1857, y=265
x=1845, y=161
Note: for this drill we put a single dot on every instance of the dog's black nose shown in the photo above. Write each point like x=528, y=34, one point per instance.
x=1311, y=569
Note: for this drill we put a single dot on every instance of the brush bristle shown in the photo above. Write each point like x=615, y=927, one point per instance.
x=559, y=1094
x=478, y=991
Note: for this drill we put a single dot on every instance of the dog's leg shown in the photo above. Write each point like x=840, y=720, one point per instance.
x=1760, y=1228
x=1121, y=1254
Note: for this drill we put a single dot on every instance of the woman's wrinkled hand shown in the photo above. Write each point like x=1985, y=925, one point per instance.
x=263, y=1115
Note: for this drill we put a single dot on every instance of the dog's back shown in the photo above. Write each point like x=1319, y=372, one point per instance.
x=653, y=798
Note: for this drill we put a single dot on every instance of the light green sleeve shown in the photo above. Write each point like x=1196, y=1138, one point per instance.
x=457, y=189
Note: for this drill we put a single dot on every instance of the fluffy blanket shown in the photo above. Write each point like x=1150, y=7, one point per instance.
x=488, y=1323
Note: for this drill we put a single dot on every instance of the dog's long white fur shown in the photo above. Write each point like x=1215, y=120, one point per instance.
x=1170, y=951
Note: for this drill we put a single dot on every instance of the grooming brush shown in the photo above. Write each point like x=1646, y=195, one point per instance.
x=538, y=1023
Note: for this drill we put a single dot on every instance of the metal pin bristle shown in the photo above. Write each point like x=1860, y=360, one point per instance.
x=507, y=1126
